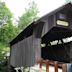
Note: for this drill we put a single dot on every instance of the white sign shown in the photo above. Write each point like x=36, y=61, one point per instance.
x=63, y=23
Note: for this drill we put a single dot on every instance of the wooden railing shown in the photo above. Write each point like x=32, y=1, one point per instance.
x=48, y=63
x=56, y=65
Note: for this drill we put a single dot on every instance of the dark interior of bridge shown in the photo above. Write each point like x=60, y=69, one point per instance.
x=57, y=52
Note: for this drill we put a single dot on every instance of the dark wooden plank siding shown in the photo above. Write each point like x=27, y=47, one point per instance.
x=49, y=24
x=26, y=52
x=37, y=47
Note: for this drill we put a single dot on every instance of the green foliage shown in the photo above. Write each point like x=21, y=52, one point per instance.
x=29, y=16
x=5, y=14
x=3, y=51
x=3, y=59
x=7, y=32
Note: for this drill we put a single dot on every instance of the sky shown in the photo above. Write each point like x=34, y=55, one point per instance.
x=45, y=6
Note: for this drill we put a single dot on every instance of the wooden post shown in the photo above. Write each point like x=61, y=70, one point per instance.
x=41, y=65
x=47, y=65
x=64, y=68
x=56, y=66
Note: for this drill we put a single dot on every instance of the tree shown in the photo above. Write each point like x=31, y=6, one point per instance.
x=28, y=16
x=5, y=14
x=7, y=32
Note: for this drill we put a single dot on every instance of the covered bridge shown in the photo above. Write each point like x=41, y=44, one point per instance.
x=50, y=37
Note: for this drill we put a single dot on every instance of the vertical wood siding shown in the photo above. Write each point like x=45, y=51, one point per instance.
x=24, y=52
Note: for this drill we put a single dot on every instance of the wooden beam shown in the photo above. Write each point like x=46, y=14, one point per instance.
x=56, y=66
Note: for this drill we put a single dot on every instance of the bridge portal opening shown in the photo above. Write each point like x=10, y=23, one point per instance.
x=56, y=44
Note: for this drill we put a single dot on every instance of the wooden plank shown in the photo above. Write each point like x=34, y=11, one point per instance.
x=64, y=68
x=56, y=65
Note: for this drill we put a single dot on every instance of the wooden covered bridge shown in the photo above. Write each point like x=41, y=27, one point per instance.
x=49, y=38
